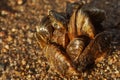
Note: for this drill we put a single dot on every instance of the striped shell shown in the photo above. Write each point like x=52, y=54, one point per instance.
x=73, y=40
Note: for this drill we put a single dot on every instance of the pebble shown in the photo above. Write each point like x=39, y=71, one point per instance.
x=29, y=76
x=117, y=71
x=7, y=46
x=29, y=40
x=27, y=66
x=20, y=2
x=3, y=12
x=23, y=62
x=98, y=65
x=110, y=61
x=30, y=34
x=13, y=29
x=2, y=34
x=9, y=38
x=4, y=50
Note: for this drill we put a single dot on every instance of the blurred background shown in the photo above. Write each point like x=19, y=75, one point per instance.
x=20, y=55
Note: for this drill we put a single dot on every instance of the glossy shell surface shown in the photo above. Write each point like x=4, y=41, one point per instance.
x=73, y=40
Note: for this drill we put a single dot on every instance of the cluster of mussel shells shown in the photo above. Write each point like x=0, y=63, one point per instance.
x=73, y=40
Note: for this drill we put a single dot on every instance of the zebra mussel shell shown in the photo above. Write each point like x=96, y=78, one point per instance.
x=74, y=40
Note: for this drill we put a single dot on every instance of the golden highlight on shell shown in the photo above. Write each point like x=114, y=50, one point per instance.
x=71, y=41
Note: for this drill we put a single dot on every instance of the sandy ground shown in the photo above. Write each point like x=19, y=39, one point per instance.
x=20, y=55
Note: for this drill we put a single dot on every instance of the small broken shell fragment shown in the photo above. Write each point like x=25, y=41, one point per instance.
x=59, y=60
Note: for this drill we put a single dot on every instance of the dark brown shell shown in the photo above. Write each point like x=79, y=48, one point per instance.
x=84, y=25
x=97, y=16
x=80, y=24
x=76, y=47
x=59, y=60
x=98, y=48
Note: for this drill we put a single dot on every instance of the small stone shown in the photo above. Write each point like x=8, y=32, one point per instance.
x=13, y=30
x=2, y=34
x=29, y=76
x=98, y=65
x=22, y=73
x=9, y=38
x=30, y=34
x=20, y=2
x=110, y=61
x=116, y=71
x=21, y=8
x=29, y=41
x=3, y=12
x=17, y=73
x=4, y=50
x=113, y=75
x=104, y=79
x=89, y=76
x=27, y=67
x=23, y=62
x=85, y=74
x=7, y=46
